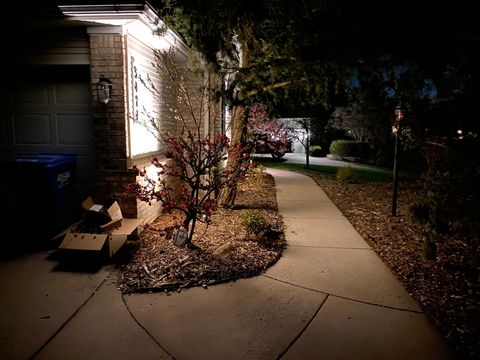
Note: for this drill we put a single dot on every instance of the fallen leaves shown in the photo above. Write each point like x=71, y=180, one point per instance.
x=447, y=289
x=222, y=250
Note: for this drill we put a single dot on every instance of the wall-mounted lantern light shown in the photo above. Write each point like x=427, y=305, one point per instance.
x=104, y=89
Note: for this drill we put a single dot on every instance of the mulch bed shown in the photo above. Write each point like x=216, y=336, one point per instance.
x=223, y=250
x=447, y=289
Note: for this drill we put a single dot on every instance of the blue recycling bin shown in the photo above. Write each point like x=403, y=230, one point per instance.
x=43, y=187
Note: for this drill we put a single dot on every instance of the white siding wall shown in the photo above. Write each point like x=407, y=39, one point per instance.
x=142, y=104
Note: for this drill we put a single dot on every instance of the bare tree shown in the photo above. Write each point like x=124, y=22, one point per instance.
x=353, y=120
x=300, y=129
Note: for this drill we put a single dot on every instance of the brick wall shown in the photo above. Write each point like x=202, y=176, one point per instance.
x=108, y=58
x=110, y=120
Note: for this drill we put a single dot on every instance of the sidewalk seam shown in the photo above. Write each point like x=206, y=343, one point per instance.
x=316, y=218
x=344, y=297
x=145, y=329
x=69, y=318
x=299, y=335
x=329, y=247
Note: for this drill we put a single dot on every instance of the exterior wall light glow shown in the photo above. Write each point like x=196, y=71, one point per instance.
x=104, y=90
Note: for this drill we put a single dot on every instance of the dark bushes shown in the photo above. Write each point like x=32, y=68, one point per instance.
x=350, y=149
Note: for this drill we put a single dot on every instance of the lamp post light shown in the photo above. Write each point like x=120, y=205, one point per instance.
x=399, y=114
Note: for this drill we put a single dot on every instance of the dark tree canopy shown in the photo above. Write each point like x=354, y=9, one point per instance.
x=304, y=58
x=304, y=54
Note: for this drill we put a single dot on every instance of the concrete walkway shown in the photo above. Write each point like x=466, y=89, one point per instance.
x=328, y=297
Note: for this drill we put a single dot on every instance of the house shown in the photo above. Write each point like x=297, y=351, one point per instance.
x=298, y=129
x=58, y=54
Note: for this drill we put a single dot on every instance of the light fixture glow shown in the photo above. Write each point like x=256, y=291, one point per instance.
x=104, y=89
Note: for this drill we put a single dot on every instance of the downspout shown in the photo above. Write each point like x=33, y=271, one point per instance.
x=128, y=88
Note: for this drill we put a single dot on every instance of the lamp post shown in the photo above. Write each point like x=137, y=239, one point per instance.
x=399, y=114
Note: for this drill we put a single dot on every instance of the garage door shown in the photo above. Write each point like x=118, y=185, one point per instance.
x=49, y=113
x=45, y=110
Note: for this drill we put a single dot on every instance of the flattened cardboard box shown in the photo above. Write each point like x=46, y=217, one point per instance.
x=115, y=232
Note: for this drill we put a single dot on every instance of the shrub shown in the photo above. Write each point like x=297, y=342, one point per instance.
x=255, y=223
x=347, y=174
x=256, y=175
x=349, y=148
x=450, y=193
x=420, y=214
x=315, y=150
x=194, y=160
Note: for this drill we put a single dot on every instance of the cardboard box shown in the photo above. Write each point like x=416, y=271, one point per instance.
x=112, y=229
x=114, y=213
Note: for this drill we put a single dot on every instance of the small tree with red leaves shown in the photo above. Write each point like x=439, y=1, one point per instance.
x=197, y=163
x=265, y=133
x=193, y=156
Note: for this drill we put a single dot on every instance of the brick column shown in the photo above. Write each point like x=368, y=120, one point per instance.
x=107, y=51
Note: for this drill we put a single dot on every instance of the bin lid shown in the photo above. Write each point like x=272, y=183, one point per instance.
x=44, y=160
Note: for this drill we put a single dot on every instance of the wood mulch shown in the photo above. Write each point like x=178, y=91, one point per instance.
x=447, y=289
x=223, y=250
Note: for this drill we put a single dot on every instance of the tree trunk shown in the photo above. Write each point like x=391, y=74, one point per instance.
x=229, y=193
x=238, y=128
x=307, y=152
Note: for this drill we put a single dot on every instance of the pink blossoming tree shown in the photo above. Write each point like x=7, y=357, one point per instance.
x=266, y=133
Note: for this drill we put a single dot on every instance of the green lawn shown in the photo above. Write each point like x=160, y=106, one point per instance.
x=364, y=174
